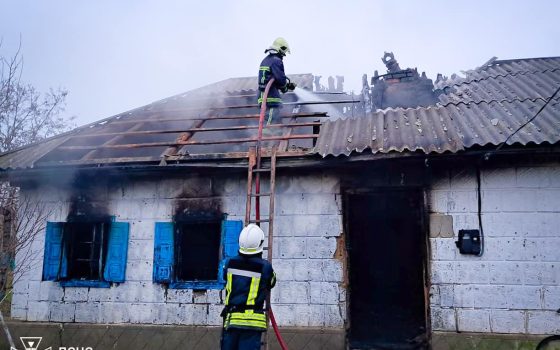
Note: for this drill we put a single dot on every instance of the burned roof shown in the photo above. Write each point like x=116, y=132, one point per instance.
x=479, y=108
x=218, y=120
x=482, y=108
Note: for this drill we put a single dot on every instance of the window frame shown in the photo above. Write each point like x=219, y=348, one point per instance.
x=173, y=283
x=56, y=248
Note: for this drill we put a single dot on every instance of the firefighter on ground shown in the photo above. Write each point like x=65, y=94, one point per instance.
x=249, y=279
x=273, y=67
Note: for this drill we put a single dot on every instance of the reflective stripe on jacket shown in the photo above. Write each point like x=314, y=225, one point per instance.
x=272, y=66
x=248, y=281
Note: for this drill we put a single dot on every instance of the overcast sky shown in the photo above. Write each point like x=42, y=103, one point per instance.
x=113, y=56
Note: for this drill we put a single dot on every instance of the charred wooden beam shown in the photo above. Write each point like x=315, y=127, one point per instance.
x=169, y=144
x=195, y=129
x=216, y=117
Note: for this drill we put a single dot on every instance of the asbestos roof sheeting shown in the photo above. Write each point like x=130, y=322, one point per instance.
x=441, y=129
x=483, y=108
x=502, y=68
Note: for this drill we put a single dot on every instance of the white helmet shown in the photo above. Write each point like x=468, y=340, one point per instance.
x=251, y=240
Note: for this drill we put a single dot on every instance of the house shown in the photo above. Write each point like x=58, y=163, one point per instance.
x=402, y=218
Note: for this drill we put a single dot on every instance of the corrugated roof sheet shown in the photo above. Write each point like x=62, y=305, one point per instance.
x=439, y=129
x=481, y=109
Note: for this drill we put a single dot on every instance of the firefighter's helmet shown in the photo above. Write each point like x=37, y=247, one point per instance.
x=280, y=45
x=251, y=240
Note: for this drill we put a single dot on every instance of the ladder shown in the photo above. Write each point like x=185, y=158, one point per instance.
x=255, y=170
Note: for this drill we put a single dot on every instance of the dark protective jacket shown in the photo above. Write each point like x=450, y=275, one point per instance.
x=272, y=66
x=248, y=281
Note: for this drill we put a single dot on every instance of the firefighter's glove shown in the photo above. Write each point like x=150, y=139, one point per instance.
x=291, y=86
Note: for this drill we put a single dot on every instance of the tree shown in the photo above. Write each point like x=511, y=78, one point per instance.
x=26, y=116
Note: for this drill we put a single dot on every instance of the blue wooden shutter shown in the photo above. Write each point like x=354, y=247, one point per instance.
x=53, y=251
x=230, y=242
x=163, y=252
x=117, y=248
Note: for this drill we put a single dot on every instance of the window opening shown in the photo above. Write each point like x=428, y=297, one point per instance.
x=86, y=246
x=198, y=250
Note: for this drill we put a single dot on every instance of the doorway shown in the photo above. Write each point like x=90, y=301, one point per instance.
x=387, y=254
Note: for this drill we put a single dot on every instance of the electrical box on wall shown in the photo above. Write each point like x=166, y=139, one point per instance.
x=469, y=242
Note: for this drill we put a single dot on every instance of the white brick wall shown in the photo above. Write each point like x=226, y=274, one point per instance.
x=514, y=286
x=308, y=220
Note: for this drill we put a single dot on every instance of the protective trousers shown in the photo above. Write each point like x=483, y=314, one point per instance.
x=241, y=339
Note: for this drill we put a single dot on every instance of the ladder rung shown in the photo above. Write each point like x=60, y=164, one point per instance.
x=257, y=221
x=260, y=194
x=262, y=170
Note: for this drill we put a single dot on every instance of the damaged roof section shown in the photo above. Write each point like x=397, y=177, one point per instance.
x=216, y=121
x=482, y=108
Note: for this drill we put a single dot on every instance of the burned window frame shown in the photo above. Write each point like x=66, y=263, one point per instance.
x=165, y=254
x=58, y=255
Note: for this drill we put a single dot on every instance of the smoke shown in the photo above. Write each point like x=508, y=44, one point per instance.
x=308, y=96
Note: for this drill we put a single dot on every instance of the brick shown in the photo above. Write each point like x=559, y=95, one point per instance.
x=142, y=230
x=442, y=319
x=140, y=249
x=334, y=315
x=142, y=313
x=75, y=294
x=543, y=322
x=434, y=295
x=330, y=183
x=287, y=292
x=290, y=248
x=506, y=297
x=299, y=184
x=19, y=300
x=179, y=296
x=308, y=225
x=463, y=179
x=324, y=293
x=462, y=202
x=316, y=316
x=505, y=272
x=507, y=321
x=285, y=315
x=284, y=269
x=214, y=318
x=464, y=295
x=38, y=311
x=541, y=273
x=50, y=291
x=87, y=312
x=228, y=186
x=62, y=312
x=498, y=178
x=446, y=295
x=533, y=177
x=139, y=270
x=551, y=298
x=332, y=271
x=443, y=272
x=443, y=249
x=473, y=320
x=323, y=247
x=19, y=313
x=104, y=294
x=34, y=290
x=472, y=272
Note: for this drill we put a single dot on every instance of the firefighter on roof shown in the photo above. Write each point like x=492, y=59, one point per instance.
x=249, y=279
x=273, y=67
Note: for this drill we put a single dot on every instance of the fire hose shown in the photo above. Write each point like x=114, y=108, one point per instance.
x=258, y=207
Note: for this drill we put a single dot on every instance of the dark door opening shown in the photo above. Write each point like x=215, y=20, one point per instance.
x=386, y=257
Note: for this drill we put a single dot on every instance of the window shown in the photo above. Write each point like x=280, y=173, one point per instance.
x=192, y=254
x=85, y=254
